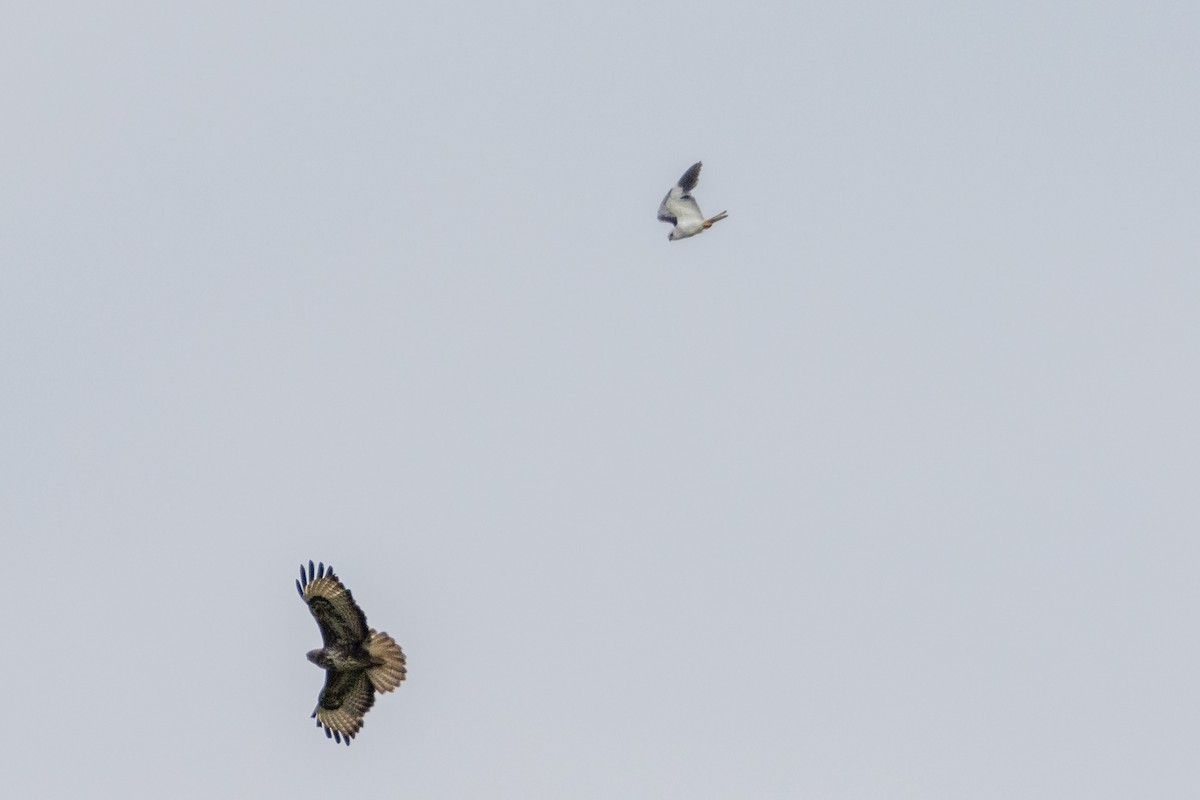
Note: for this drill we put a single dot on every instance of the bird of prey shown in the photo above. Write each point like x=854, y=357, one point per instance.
x=681, y=210
x=357, y=661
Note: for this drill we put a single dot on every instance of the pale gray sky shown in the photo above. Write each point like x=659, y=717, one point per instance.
x=886, y=487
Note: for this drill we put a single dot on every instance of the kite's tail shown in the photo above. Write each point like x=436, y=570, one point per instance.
x=388, y=660
x=708, y=223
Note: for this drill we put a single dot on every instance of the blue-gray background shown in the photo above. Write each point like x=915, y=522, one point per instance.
x=884, y=487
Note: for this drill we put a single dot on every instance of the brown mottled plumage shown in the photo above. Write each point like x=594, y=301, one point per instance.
x=357, y=661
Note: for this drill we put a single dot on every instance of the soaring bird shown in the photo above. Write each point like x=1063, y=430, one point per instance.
x=681, y=210
x=357, y=661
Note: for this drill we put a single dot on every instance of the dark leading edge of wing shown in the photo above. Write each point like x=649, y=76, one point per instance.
x=690, y=178
x=352, y=689
x=332, y=605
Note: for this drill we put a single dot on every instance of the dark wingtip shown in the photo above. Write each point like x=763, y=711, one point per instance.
x=300, y=590
x=321, y=570
x=312, y=571
x=691, y=177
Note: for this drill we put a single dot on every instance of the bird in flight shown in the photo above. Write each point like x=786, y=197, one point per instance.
x=681, y=209
x=357, y=661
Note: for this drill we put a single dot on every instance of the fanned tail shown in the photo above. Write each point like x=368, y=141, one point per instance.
x=388, y=659
x=708, y=223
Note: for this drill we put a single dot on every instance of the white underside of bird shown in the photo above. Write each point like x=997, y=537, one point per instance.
x=681, y=209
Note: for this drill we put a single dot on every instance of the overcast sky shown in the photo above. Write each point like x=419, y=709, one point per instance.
x=885, y=487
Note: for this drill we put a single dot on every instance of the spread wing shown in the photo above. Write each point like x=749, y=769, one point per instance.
x=690, y=178
x=340, y=619
x=346, y=698
x=679, y=206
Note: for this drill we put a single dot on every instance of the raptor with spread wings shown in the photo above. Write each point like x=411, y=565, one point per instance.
x=357, y=661
x=681, y=209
